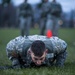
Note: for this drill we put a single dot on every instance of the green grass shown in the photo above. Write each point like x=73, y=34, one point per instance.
x=69, y=69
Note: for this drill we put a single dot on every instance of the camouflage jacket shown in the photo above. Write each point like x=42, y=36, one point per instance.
x=44, y=9
x=25, y=10
x=20, y=45
x=56, y=9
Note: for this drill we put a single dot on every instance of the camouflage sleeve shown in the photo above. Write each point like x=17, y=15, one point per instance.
x=14, y=47
x=10, y=49
x=12, y=53
x=61, y=58
x=59, y=45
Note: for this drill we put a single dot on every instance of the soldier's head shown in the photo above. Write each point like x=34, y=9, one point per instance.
x=44, y=0
x=38, y=52
x=25, y=1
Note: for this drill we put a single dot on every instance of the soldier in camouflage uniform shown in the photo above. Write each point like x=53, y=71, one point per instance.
x=6, y=15
x=25, y=17
x=36, y=50
x=54, y=18
x=44, y=8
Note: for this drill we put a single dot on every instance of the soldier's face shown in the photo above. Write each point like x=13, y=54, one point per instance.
x=38, y=60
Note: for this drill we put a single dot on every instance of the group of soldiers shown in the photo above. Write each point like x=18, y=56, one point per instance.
x=8, y=15
x=50, y=14
x=38, y=50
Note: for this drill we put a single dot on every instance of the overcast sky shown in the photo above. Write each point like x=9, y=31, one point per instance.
x=67, y=5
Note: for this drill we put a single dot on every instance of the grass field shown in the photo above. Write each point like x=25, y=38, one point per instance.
x=69, y=69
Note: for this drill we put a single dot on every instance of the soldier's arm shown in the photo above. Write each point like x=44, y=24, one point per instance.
x=12, y=54
x=60, y=7
x=31, y=9
x=20, y=10
x=61, y=58
x=59, y=48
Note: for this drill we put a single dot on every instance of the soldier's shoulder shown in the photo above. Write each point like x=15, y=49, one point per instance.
x=58, y=4
x=10, y=44
x=55, y=38
x=15, y=42
x=22, y=4
x=19, y=38
x=29, y=4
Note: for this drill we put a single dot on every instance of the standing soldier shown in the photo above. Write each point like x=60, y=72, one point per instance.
x=44, y=11
x=8, y=14
x=55, y=15
x=5, y=13
x=25, y=17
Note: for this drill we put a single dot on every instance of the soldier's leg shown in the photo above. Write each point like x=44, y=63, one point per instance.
x=42, y=26
x=49, y=25
x=22, y=26
x=28, y=22
x=56, y=27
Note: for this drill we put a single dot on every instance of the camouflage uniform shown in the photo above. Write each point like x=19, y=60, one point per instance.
x=44, y=11
x=25, y=17
x=56, y=50
x=54, y=18
x=8, y=14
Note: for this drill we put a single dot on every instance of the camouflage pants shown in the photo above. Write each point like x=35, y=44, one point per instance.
x=25, y=24
x=53, y=25
x=42, y=26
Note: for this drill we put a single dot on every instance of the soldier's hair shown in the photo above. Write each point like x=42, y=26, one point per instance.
x=38, y=47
